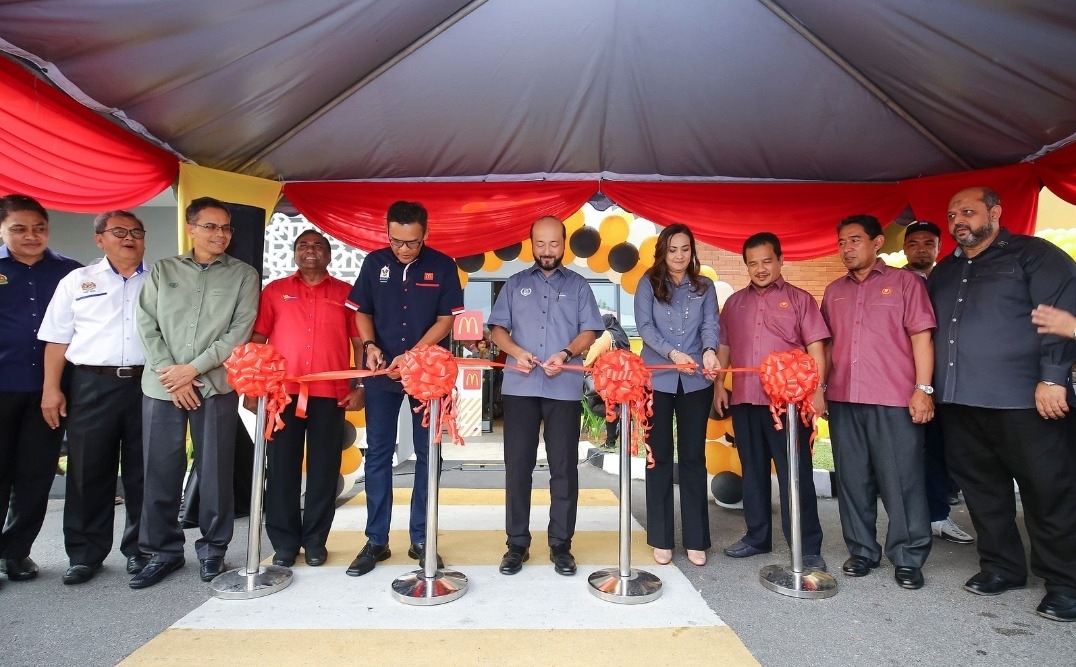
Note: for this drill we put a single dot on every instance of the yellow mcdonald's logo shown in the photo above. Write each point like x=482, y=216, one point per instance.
x=468, y=326
x=472, y=378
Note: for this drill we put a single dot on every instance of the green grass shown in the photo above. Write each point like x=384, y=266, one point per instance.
x=823, y=454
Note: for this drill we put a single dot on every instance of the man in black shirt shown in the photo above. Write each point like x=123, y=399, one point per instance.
x=1002, y=390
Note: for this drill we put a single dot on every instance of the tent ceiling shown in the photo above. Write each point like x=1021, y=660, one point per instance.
x=830, y=90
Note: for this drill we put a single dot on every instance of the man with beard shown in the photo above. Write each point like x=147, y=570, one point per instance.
x=544, y=317
x=406, y=295
x=921, y=244
x=879, y=396
x=1002, y=392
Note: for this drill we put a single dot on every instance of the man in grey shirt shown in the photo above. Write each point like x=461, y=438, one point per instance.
x=544, y=317
x=193, y=311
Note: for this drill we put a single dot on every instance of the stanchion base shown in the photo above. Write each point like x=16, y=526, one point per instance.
x=238, y=585
x=415, y=589
x=813, y=584
x=638, y=587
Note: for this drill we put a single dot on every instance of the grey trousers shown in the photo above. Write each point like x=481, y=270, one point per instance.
x=878, y=450
x=164, y=442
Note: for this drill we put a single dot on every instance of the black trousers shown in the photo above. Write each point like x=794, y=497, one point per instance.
x=691, y=410
x=29, y=450
x=935, y=470
x=164, y=443
x=877, y=450
x=523, y=416
x=757, y=443
x=321, y=435
x=986, y=449
x=104, y=427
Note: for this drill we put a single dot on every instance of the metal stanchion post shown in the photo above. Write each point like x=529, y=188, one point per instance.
x=255, y=580
x=796, y=582
x=430, y=585
x=624, y=585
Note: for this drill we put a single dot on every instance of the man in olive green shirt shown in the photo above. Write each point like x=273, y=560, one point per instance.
x=192, y=312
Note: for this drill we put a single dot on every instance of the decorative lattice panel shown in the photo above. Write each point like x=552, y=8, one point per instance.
x=280, y=238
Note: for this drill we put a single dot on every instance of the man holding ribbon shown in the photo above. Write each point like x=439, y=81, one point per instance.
x=406, y=295
x=192, y=312
x=544, y=317
x=304, y=317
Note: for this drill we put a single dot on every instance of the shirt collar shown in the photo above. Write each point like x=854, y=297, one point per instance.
x=776, y=285
x=223, y=258
x=879, y=268
x=1003, y=239
x=105, y=265
x=536, y=267
x=49, y=255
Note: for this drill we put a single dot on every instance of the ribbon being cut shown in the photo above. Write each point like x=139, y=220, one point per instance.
x=256, y=370
x=622, y=377
x=790, y=377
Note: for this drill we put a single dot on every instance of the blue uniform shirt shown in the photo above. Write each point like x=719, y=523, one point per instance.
x=688, y=323
x=544, y=315
x=405, y=299
x=25, y=292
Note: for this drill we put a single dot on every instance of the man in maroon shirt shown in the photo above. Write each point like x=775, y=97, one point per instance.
x=304, y=317
x=881, y=359
x=769, y=315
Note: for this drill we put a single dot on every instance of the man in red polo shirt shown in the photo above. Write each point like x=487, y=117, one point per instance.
x=879, y=397
x=305, y=319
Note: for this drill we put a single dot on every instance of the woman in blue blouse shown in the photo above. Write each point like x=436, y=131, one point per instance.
x=676, y=313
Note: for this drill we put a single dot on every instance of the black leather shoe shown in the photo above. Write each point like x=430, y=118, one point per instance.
x=315, y=556
x=563, y=560
x=19, y=569
x=154, y=572
x=990, y=583
x=908, y=577
x=513, y=559
x=744, y=550
x=814, y=562
x=418, y=552
x=1057, y=607
x=210, y=567
x=371, y=555
x=136, y=564
x=282, y=559
x=80, y=574
x=858, y=566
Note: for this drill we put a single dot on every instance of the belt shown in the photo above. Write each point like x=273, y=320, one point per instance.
x=118, y=371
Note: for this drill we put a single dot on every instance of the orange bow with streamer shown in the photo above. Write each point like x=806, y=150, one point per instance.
x=256, y=370
x=790, y=377
x=622, y=377
x=429, y=372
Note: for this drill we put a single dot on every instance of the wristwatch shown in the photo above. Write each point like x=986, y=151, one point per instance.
x=569, y=353
x=925, y=388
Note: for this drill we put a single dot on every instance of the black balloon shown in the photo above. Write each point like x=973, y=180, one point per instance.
x=508, y=253
x=471, y=263
x=727, y=488
x=585, y=242
x=623, y=257
x=350, y=435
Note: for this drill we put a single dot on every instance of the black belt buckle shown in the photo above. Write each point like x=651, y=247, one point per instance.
x=126, y=371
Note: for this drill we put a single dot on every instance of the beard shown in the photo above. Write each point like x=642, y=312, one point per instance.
x=548, y=263
x=920, y=264
x=977, y=236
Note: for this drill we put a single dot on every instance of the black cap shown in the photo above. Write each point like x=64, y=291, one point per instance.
x=922, y=226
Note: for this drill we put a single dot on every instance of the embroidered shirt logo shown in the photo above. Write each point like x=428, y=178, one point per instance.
x=427, y=276
x=385, y=274
x=526, y=291
x=3, y=279
x=886, y=291
x=88, y=286
x=290, y=297
x=782, y=304
x=173, y=285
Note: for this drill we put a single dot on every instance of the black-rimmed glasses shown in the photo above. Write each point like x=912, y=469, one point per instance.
x=214, y=228
x=122, y=232
x=411, y=245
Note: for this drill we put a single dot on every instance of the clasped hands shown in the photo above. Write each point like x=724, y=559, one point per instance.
x=180, y=381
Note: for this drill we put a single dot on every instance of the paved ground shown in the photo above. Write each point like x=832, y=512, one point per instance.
x=871, y=621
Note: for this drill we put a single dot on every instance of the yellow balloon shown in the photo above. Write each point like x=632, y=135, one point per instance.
x=526, y=253
x=728, y=384
x=492, y=262
x=613, y=230
x=599, y=261
x=464, y=276
x=630, y=280
x=646, y=250
x=823, y=428
x=356, y=417
x=709, y=272
x=574, y=221
x=350, y=459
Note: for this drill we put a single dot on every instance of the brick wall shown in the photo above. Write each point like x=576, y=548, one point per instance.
x=812, y=275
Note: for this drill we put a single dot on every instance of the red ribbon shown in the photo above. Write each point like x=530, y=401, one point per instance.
x=256, y=370
x=790, y=377
x=622, y=377
x=429, y=372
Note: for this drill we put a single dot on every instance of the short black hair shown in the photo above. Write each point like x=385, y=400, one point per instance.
x=14, y=203
x=407, y=213
x=202, y=203
x=315, y=233
x=990, y=198
x=101, y=221
x=761, y=239
x=869, y=223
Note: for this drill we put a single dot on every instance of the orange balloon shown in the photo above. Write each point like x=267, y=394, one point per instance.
x=356, y=417
x=729, y=431
x=613, y=230
x=350, y=459
x=464, y=276
x=734, y=461
x=646, y=250
x=569, y=256
x=492, y=262
x=574, y=221
x=714, y=429
x=599, y=261
x=526, y=252
x=630, y=280
x=717, y=457
x=728, y=384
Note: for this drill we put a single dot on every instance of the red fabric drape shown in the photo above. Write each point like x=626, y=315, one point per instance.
x=803, y=215
x=66, y=156
x=464, y=218
x=1057, y=171
x=1017, y=185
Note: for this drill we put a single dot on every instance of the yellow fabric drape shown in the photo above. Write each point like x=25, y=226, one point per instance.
x=195, y=181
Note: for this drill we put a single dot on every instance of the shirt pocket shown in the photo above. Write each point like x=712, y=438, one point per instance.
x=783, y=326
x=222, y=293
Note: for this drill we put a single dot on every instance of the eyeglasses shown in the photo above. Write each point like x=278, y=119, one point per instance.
x=411, y=245
x=122, y=232
x=213, y=228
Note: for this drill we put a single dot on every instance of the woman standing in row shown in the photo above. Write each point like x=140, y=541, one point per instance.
x=676, y=314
